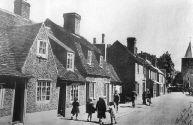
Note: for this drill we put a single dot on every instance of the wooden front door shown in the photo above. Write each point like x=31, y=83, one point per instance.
x=62, y=100
x=87, y=91
x=108, y=94
x=18, y=103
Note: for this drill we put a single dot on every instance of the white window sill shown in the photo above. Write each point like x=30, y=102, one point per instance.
x=70, y=70
x=43, y=102
x=42, y=56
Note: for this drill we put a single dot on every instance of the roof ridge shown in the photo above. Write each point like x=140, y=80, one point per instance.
x=6, y=11
x=18, y=26
x=75, y=37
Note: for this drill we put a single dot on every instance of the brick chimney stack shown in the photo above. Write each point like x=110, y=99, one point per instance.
x=22, y=8
x=131, y=44
x=72, y=22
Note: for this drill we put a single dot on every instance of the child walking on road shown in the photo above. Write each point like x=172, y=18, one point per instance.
x=75, y=108
x=90, y=109
x=112, y=112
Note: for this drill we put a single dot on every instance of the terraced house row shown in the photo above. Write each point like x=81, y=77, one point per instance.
x=44, y=66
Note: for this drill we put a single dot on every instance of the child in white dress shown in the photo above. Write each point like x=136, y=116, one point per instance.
x=112, y=112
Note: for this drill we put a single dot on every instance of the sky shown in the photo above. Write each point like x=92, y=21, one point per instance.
x=158, y=25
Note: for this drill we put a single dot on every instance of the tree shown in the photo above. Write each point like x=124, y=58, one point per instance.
x=178, y=80
x=165, y=62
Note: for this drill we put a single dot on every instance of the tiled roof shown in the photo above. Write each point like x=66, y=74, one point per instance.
x=57, y=48
x=20, y=41
x=111, y=71
x=59, y=42
x=68, y=75
x=10, y=19
x=15, y=43
x=137, y=59
x=80, y=45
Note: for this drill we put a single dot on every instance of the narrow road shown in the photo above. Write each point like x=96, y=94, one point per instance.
x=164, y=110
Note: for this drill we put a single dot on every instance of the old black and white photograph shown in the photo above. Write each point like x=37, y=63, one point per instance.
x=96, y=62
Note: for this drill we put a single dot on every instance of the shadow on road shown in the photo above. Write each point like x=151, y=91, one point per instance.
x=126, y=106
x=188, y=95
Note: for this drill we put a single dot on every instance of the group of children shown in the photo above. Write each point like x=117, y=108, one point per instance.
x=91, y=108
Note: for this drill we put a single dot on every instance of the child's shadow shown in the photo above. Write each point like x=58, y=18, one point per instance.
x=87, y=121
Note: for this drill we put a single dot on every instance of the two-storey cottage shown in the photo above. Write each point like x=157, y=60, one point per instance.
x=37, y=98
x=128, y=66
x=88, y=58
x=115, y=82
x=34, y=77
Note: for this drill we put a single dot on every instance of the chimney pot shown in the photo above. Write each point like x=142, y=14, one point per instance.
x=94, y=40
x=103, y=38
x=108, y=45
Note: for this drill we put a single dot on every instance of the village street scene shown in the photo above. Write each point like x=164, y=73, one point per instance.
x=96, y=62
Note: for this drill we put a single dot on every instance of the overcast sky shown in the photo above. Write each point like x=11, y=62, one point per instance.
x=158, y=25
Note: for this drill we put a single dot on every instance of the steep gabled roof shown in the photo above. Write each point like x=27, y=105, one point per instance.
x=188, y=52
x=68, y=75
x=80, y=46
x=112, y=73
x=21, y=39
x=63, y=73
x=124, y=48
x=15, y=43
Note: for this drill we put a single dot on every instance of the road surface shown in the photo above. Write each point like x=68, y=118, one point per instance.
x=164, y=110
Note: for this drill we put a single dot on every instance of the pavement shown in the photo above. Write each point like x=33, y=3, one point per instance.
x=124, y=109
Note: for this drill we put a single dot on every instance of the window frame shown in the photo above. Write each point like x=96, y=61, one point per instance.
x=46, y=49
x=72, y=61
x=105, y=90
x=89, y=57
x=37, y=86
x=137, y=68
x=101, y=61
x=72, y=89
x=1, y=96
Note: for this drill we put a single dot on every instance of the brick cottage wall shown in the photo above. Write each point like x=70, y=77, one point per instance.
x=82, y=95
x=40, y=69
x=139, y=77
x=98, y=87
x=7, y=103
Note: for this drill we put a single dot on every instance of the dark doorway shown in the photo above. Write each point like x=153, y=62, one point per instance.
x=87, y=91
x=18, y=103
x=62, y=100
x=108, y=94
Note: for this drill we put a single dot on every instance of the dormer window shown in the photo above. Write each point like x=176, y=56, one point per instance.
x=101, y=61
x=70, y=61
x=89, y=58
x=42, y=48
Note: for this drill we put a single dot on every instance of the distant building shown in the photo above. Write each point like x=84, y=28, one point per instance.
x=187, y=68
x=155, y=78
x=128, y=66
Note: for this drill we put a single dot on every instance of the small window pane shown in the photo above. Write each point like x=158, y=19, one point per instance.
x=43, y=91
